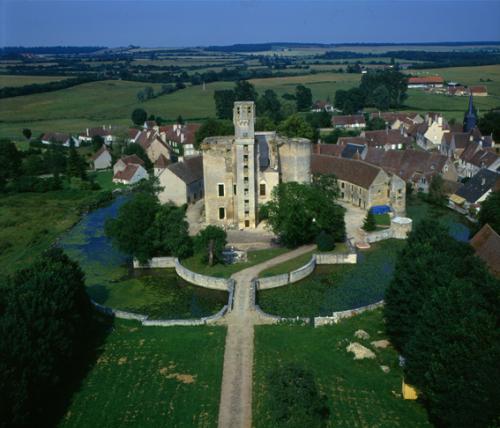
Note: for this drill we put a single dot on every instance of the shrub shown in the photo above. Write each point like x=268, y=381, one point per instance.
x=325, y=241
x=369, y=224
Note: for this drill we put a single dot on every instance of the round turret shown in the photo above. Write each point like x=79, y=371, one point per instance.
x=295, y=160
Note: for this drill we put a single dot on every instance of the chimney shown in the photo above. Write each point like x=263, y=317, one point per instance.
x=440, y=120
x=483, y=181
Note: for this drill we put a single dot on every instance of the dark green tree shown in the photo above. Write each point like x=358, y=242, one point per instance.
x=303, y=98
x=11, y=160
x=394, y=81
x=170, y=232
x=350, y=101
x=129, y=230
x=244, y=91
x=452, y=358
x=180, y=120
x=375, y=124
x=299, y=212
x=322, y=119
x=489, y=124
x=139, y=116
x=490, y=212
x=381, y=98
x=211, y=128
x=295, y=401
x=76, y=165
x=369, y=223
x=27, y=133
x=33, y=164
x=325, y=241
x=264, y=123
x=295, y=126
x=97, y=142
x=210, y=242
x=269, y=105
x=437, y=195
x=45, y=314
x=224, y=101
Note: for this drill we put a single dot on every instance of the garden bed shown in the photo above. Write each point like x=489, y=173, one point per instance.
x=336, y=287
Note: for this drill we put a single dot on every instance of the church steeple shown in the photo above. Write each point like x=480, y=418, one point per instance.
x=470, y=117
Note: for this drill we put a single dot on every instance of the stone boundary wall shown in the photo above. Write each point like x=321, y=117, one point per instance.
x=400, y=228
x=340, y=315
x=379, y=235
x=145, y=321
x=336, y=259
x=156, y=262
x=202, y=280
x=303, y=271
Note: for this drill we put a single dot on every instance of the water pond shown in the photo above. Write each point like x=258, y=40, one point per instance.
x=111, y=281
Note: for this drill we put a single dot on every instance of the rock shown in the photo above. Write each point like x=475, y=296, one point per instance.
x=385, y=369
x=360, y=352
x=361, y=334
x=381, y=344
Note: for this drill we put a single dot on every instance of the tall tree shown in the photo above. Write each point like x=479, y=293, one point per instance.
x=76, y=165
x=269, y=105
x=210, y=242
x=224, y=101
x=211, y=128
x=381, y=98
x=27, y=133
x=244, y=91
x=139, y=116
x=303, y=98
x=11, y=161
x=490, y=212
x=45, y=314
x=295, y=126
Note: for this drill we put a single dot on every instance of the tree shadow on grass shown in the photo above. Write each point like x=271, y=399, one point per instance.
x=57, y=405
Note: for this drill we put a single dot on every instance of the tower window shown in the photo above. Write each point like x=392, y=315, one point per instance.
x=262, y=189
x=220, y=189
x=222, y=213
x=234, y=189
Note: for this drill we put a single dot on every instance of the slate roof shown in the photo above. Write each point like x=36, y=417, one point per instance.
x=351, y=140
x=350, y=151
x=189, y=170
x=354, y=171
x=486, y=244
x=478, y=185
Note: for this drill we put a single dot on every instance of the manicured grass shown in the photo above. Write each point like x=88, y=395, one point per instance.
x=288, y=266
x=105, y=180
x=158, y=293
x=359, y=393
x=13, y=81
x=336, y=287
x=152, y=377
x=382, y=219
x=196, y=263
x=31, y=222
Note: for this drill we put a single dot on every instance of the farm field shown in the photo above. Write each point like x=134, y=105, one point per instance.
x=359, y=393
x=31, y=222
x=19, y=80
x=152, y=377
x=336, y=287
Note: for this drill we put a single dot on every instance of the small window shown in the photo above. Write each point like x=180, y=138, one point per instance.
x=234, y=189
x=220, y=189
x=222, y=213
x=247, y=223
x=262, y=189
x=343, y=185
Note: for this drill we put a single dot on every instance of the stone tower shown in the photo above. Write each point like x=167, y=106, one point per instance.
x=246, y=163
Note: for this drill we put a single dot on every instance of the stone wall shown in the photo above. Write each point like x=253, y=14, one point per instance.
x=336, y=259
x=304, y=271
x=202, y=280
x=400, y=228
x=156, y=262
x=337, y=316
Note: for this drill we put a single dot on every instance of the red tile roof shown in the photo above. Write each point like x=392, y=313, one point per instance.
x=162, y=162
x=486, y=244
x=480, y=89
x=425, y=80
x=127, y=173
x=352, y=119
x=132, y=160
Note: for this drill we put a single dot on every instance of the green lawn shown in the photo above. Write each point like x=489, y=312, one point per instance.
x=288, y=266
x=196, y=263
x=359, y=393
x=105, y=180
x=152, y=377
x=336, y=287
x=31, y=222
x=382, y=219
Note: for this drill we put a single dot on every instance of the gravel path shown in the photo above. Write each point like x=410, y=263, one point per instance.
x=235, y=409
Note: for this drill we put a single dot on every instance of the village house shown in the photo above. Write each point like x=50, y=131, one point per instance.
x=105, y=132
x=475, y=157
x=478, y=91
x=182, y=181
x=59, y=138
x=129, y=170
x=101, y=159
x=486, y=244
x=353, y=121
x=320, y=106
x=154, y=146
x=181, y=138
x=398, y=120
x=425, y=82
x=362, y=184
x=429, y=134
x=387, y=139
x=474, y=191
x=160, y=164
